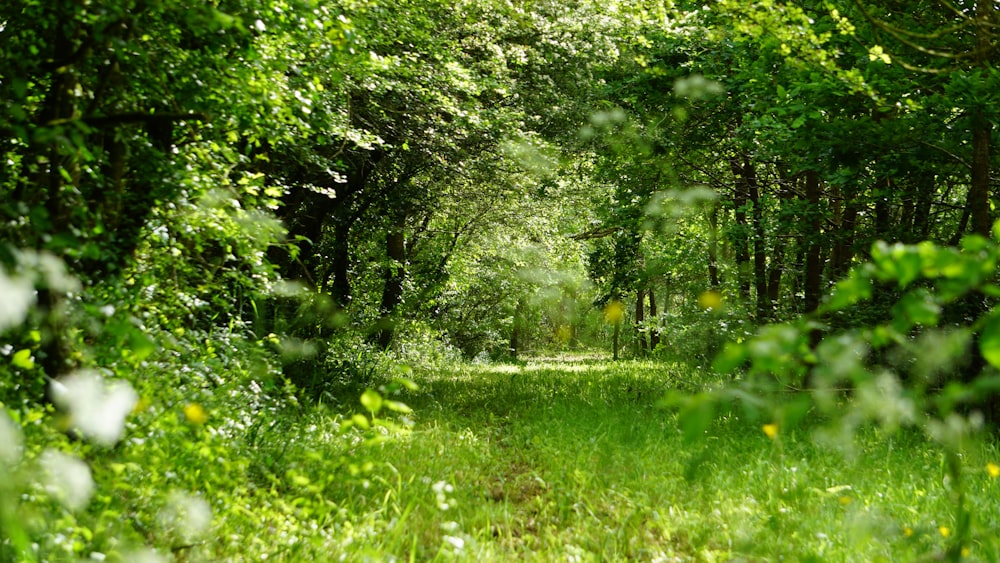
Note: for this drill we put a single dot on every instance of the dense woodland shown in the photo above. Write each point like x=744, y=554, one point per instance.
x=222, y=223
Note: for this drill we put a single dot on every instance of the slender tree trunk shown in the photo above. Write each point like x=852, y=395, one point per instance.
x=883, y=221
x=922, y=212
x=759, y=244
x=654, y=333
x=843, y=246
x=979, y=189
x=813, y=224
x=740, y=199
x=615, y=338
x=341, y=263
x=517, y=326
x=774, y=276
x=394, y=276
x=713, y=247
x=640, y=317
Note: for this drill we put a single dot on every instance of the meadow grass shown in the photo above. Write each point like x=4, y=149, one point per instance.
x=576, y=461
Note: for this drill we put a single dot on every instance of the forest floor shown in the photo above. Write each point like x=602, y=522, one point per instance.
x=576, y=460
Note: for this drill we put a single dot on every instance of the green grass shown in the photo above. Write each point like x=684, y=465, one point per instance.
x=575, y=461
x=547, y=461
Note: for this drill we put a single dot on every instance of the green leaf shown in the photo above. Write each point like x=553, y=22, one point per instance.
x=918, y=308
x=407, y=383
x=360, y=421
x=372, y=401
x=897, y=262
x=23, y=359
x=695, y=417
x=989, y=340
x=733, y=356
x=857, y=286
x=396, y=406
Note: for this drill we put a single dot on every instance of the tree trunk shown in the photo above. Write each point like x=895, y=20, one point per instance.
x=774, y=276
x=883, y=210
x=614, y=341
x=741, y=243
x=979, y=188
x=922, y=212
x=654, y=333
x=341, y=264
x=713, y=247
x=813, y=224
x=640, y=317
x=843, y=246
x=516, y=328
x=759, y=244
x=393, y=278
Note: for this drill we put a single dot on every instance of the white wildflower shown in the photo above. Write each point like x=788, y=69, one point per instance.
x=18, y=296
x=97, y=408
x=67, y=479
x=11, y=441
x=144, y=556
x=185, y=515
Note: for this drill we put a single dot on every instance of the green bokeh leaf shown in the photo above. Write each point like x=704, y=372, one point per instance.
x=695, y=417
x=23, y=359
x=989, y=341
x=372, y=401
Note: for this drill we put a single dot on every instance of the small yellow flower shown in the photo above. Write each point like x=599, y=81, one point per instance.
x=993, y=469
x=614, y=312
x=710, y=300
x=845, y=500
x=141, y=405
x=907, y=531
x=771, y=430
x=966, y=552
x=195, y=413
x=945, y=531
x=563, y=334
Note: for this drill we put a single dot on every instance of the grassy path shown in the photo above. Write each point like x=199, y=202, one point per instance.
x=574, y=461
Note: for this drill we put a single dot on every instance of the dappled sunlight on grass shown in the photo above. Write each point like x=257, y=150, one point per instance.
x=564, y=461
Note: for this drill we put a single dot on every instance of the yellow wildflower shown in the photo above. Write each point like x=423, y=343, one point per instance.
x=771, y=430
x=993, y=469
x=710, y=300
x=945, y=531
x=141, y=405
x=614, y=312
x=195, y=413
x=564, y=334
